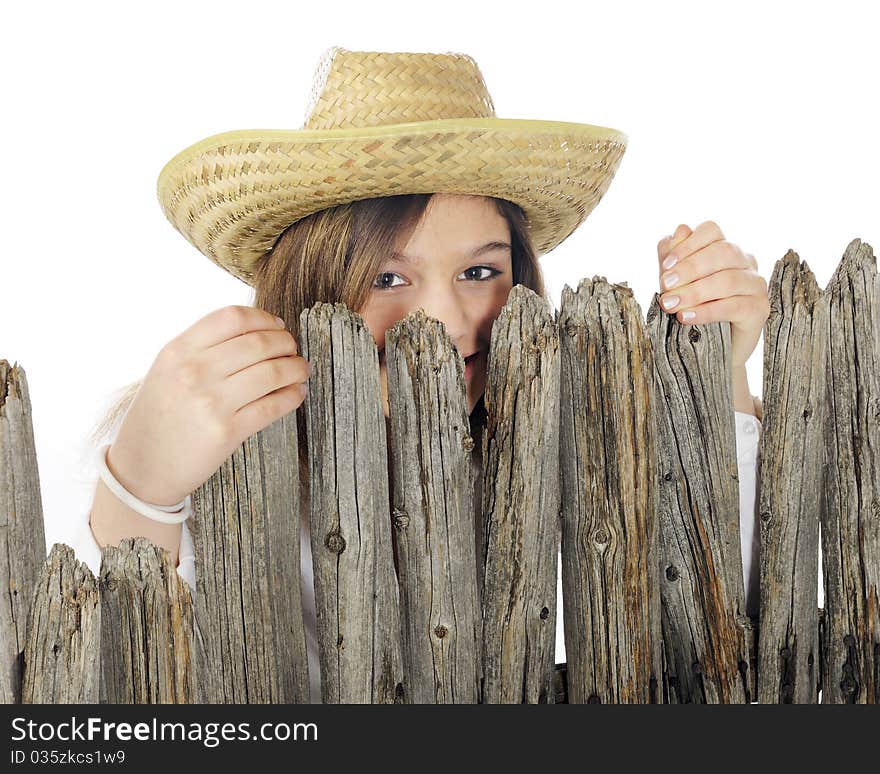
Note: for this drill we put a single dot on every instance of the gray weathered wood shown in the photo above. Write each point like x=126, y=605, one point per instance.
x=62, y=653
x=146, y=627
x=520, y=503
x=356, y=596
x=851, y=488
x=433, y=513
x=610, y=487
x=792, y=457
x=249, y=633
x=705, y=627
x=22, y=539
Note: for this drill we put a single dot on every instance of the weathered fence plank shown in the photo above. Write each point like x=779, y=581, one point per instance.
x=356, y=597
x=146, y=627
x=610, y=486
x=433, y=492
x=62, y=653
x=249, y=633
x=618, y=432
x=521, y=503
x=792, y=457
x=851, y=489
x=22, y=538
x=705, y=627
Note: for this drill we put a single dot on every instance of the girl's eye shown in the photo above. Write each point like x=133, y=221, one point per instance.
x=494, y=273
x=378, y=285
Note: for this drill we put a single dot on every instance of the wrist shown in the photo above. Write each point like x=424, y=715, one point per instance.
x=742, y=396
x=119, y=461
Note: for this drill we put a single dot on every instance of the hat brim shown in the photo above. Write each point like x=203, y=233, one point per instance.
x=232, y=194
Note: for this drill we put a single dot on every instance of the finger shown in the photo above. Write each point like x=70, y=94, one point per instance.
x=728, y=282
x=229, y=357
x=263, y=411
x=665, y=245
x=704, y=234
x=226, y=323
x=710, y=259
x=732, y=309
x=260, y=379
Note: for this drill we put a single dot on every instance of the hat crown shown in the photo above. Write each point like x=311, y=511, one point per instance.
x=372, y=88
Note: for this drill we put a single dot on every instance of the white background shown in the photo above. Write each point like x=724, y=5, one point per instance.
x=760, y=116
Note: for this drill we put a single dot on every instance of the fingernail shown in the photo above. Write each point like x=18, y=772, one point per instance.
x=311, y=367
x=670, y=281
x=670, y=261
x=688, y=315
x=305, y=389
x=281, y=322
x=670, y=302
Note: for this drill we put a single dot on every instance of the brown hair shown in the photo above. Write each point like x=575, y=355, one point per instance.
x=334, y=255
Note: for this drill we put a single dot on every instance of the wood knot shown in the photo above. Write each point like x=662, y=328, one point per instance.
x=785, y=653
x=401, y=520
x=440, y=631
x=667, y=476
x=110, y=584
x=808, y=411
x=601, y=535
x=545, y=613
x=672, y=573
x=572, y=328
x=467, y=443
x=694, y=335
x=334, y=542
x=594, y=699
x=765, y=516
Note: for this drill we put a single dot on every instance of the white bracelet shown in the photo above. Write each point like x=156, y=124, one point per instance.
x=166, y=514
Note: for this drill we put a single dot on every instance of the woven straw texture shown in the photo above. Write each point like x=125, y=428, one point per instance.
x=381, y=124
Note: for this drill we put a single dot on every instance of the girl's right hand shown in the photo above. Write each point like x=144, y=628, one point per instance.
x=228, y=376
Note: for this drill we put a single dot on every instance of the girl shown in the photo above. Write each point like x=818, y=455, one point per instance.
x=335, y=237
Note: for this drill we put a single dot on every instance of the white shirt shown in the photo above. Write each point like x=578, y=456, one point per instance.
x=748, y=433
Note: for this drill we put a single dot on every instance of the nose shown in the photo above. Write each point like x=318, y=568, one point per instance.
x=450, y=307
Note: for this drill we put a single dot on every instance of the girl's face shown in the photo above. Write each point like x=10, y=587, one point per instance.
x=456, y=267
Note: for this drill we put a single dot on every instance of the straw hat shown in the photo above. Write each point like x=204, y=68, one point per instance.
x=381, y=124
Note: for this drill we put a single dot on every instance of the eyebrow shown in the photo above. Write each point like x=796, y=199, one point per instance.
x=477, y=251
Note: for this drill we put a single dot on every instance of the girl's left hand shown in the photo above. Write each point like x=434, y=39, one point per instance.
x=714, y=280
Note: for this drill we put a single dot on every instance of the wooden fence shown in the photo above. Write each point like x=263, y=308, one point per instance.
x=608, y=435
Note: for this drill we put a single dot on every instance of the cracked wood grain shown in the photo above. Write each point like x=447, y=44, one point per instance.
x=520, y=504
x=249, y=632
x=609, y=481
x=146, y=627
x=356, y=596
x=792, y=457
x=22, y=537
x=62, y=653
x=850, y=509
x=706, y=632
x=433, y=513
